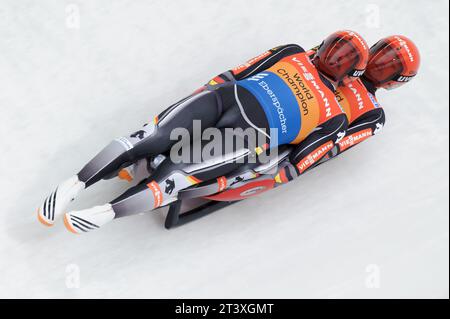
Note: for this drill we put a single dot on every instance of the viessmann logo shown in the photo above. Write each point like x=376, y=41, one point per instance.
x=157, y=194
x=357, y=95
x=405, y=45
x=252, y=61
x=314, y=156
x=354, y=138
x=259, y=57
x=222, y=183
x=353, y=34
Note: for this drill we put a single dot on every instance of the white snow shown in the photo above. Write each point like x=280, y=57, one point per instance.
x=373, y=223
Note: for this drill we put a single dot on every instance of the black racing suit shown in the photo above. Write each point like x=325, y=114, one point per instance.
x=231, y=100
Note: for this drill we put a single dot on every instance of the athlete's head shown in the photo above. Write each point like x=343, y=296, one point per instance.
x=393, y=61
x=342, y=57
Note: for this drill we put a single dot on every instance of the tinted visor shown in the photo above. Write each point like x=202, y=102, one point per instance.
x=384, y=64
x=337, y=58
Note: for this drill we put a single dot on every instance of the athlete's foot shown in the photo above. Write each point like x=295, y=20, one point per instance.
x=127, y=173
x=86, y=220
x=139, y=170
x=55, y=204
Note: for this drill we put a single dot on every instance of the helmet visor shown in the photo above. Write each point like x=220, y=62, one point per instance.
x=384, y=64
x=339, y=56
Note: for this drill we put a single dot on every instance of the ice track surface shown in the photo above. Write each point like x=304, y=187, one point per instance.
x=373, y=223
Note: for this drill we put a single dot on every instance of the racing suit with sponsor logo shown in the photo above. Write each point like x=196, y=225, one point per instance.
x=319, y=127
x=366, y=118
x=365, y=115
x=280, y=94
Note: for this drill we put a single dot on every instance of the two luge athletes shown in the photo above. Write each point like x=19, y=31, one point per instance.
x=326, y=108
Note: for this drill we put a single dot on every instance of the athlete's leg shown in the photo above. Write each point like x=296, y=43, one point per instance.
x=151, y=140
x=231, y=117
x=163, y=186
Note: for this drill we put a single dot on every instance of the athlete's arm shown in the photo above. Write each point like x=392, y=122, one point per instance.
x=318, y=144
x=365, y=126
x=256, y=64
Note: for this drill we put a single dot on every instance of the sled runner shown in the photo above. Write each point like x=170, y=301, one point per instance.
x=201, y=200
x=181, y=212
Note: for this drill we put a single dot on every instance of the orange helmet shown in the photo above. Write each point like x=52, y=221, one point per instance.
x=342, y=56
x=393, y=62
